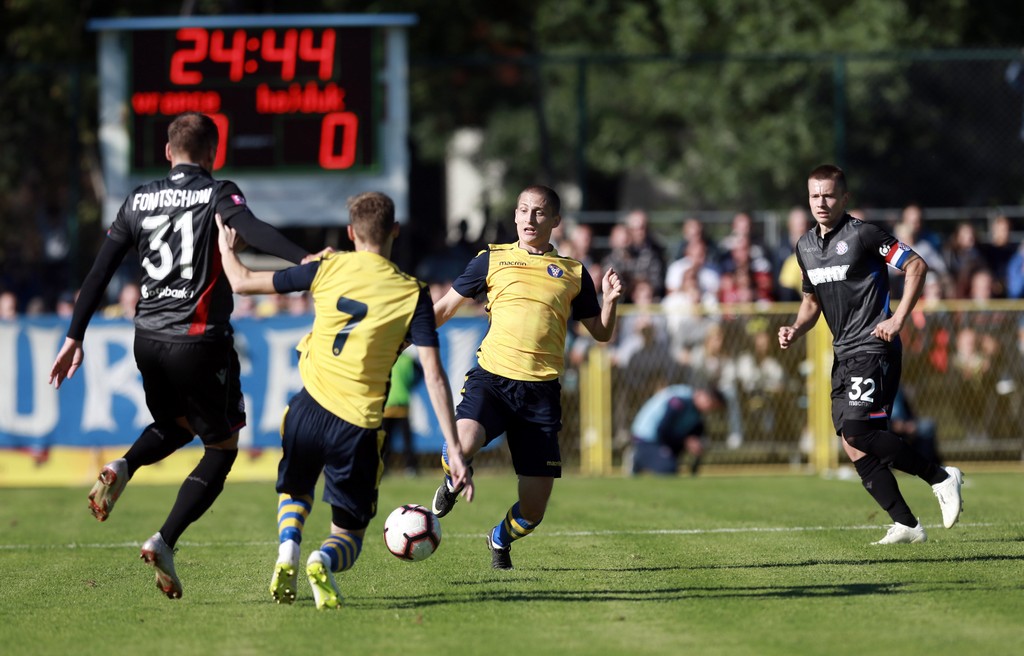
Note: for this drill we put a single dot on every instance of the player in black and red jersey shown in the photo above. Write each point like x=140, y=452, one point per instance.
x=184, y=347
x=843, y=261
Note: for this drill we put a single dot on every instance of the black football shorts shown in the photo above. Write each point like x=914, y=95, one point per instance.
x=863, y=390
x=196, y=380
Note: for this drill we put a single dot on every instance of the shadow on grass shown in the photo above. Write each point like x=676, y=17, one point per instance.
x=945, y=560
x=524, y=587
x=799, y=563
x=1015, y=538
x=625, y=594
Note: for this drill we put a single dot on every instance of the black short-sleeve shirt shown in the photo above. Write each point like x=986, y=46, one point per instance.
x=846, y=271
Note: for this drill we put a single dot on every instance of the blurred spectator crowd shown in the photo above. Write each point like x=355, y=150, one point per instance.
x=695, y=313
x=691, y=270
x=691, y=308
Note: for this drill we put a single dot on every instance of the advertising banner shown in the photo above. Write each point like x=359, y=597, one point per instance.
x=104, y=404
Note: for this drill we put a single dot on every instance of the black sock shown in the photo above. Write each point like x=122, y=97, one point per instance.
x=157, y=441
x=880, y=482
x=198, y=492
x=889, y=447
x=933, y=474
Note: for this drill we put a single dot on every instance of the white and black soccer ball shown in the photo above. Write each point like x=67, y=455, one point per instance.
x=412, y=532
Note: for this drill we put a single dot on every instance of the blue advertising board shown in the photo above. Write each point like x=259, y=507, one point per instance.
x=104, y=404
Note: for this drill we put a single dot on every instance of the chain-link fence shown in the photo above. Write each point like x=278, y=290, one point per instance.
x=962, y=384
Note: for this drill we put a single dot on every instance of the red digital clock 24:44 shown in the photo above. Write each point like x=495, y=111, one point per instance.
x=280, y=97
x=245, y=53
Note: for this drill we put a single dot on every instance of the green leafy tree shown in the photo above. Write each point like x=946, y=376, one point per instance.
x=724, y=131
x=715, y=103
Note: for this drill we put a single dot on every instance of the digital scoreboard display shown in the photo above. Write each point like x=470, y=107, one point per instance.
x=312, y=108
x=284, y=98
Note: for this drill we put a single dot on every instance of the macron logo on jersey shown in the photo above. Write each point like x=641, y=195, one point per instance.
x=895, y=254
x=239, y=200
x=827, y=274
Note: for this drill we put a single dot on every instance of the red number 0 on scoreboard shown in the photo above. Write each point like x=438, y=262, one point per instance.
x=332, y=157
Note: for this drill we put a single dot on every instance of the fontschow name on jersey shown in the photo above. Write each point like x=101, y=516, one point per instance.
x=171, y=198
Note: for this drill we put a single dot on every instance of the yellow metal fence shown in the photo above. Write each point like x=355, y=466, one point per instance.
x=963, y=376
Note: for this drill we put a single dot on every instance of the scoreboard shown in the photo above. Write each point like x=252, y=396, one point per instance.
x=283, y=99
x=310, y=108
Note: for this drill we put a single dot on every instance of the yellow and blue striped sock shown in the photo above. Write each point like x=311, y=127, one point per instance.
x=343, y=550
x=444, y=465
x=512, y=528
x=448, y=470
x=291, y=516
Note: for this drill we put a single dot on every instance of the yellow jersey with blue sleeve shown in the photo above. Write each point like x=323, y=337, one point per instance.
x=365, y=308
x=530, y=299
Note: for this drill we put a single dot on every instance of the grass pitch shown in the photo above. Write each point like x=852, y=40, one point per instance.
x=712, y=565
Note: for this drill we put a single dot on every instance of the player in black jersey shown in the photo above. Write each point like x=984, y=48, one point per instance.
x=843, y=261
x=184, y=347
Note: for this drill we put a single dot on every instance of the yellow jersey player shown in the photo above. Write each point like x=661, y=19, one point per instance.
x=532, y=293
x=365, y=309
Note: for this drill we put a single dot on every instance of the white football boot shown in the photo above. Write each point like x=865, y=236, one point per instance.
x=948, y=494
x=900, y=534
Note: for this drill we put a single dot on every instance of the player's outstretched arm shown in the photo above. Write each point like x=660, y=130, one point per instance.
x=806, y=317
x=603, y=326
x=441, y=399
x=267, y=238
x=445, y=307
x=69, y=359
x=243, y=280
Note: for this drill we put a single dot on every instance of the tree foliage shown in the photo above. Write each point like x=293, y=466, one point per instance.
x=729, y=103
x=716, y=103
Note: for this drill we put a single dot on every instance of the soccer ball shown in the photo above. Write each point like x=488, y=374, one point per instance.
x=412, y=532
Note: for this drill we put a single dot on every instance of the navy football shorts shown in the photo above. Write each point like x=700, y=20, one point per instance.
x=529, y=413
x=315, y=440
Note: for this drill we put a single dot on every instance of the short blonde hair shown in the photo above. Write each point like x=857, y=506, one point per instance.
x=372, y=216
